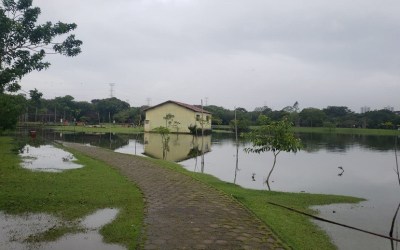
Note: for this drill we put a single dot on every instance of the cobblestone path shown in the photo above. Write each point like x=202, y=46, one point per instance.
x=182, y=213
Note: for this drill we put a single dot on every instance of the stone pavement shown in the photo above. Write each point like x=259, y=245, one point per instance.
x=182, y=213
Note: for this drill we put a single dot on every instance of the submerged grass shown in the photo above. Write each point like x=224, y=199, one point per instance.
x=297, y=231
x=72, y=194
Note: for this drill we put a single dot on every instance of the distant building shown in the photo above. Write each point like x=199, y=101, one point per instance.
x=177, y=117
x=365, y=109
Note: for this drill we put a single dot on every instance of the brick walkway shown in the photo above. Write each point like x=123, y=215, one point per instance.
x=183, y=213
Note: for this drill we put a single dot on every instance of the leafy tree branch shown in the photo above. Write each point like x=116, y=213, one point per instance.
x=24, y=44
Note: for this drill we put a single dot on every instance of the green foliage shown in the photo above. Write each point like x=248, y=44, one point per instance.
x=161, y=130
x=220, y=115
x=340, y=116
x=11, y=107
x=131, y=115
x=109, y=107
x=169, y=118
x=243, y=125
x=35, y=97
x=381, y=119
x=274, y=136
x=24, y=44
x=312, y=117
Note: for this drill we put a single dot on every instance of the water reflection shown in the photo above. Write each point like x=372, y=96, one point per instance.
x=178, y=147
x=367, y=170
x=47, y=158
x=20, y=231
x=313, y=142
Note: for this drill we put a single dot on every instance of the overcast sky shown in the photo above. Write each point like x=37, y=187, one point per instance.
x=244, y=53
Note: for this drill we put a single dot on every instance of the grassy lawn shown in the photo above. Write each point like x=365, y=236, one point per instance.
x=104, y=129
x=354, y=131
x=71, y=195
x=297, y=231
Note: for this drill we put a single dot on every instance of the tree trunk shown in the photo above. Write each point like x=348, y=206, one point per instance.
x=272, y=169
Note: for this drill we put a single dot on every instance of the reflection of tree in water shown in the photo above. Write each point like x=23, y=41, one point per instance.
x=196, y=151
x=25, y=136
x=165, y=145
x=48, y=136
x=333, y=142
x=104, y=140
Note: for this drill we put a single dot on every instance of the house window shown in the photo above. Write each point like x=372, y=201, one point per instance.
x=207, y=118
x=146, y=121
x=197, y=117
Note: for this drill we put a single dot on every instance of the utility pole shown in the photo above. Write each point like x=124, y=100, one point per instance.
x=237, y=149
x=202, y=137
x=112, y=89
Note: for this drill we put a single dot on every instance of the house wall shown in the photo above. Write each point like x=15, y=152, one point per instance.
x=186, y=118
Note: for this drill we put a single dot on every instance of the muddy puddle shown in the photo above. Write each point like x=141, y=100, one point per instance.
x=15, y=230
x=47, y=158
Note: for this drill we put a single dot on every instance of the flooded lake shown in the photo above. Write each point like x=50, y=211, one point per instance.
x=361, y=166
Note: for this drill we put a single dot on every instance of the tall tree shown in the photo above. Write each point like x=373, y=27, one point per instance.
x=107, y=108
x=11, y=106
x=24, y=44
x=312, y=117
x=35, y=100
x=274, y=136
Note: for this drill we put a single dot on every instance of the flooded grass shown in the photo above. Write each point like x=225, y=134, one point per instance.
x=47, y=158
x=71, y=195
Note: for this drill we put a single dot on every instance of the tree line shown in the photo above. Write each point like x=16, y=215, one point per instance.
x=65, y=110
x=331, y=116
x=34, y=108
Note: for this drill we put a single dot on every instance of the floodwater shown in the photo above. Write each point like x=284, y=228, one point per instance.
x=47, y=158
x=360, y=166
x=16, y=229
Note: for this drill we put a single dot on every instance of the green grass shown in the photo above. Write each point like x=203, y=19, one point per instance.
x=353, y=131
x=71, y=195
x=297, y=231
x=103, y=129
